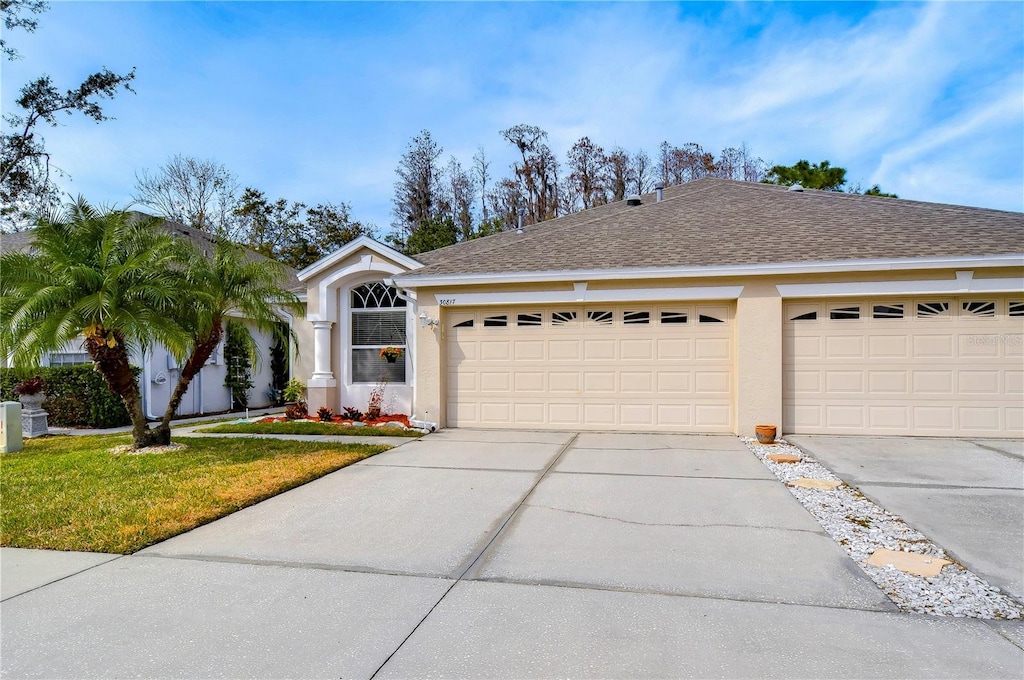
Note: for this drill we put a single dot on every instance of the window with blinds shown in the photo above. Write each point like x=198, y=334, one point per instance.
x=378, y=321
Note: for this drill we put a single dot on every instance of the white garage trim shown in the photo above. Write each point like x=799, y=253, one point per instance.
x=963, y=283
x=580, y=293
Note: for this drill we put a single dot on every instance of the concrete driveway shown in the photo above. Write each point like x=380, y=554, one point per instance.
x=967, y=496
x=495, y=554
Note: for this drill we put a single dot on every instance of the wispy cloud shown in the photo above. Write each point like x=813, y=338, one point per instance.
x=316, y=101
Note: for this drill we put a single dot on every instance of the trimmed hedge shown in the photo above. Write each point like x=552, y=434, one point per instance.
x=76, y=396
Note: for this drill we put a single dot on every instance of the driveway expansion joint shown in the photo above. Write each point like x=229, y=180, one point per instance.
x=288, y=564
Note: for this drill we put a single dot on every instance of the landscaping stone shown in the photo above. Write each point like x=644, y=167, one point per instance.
x=806, y=483
x=783, y=458
x=911, y=563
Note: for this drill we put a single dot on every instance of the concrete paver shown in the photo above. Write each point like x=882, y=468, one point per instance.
x=667, y=462
x=499, y=630
x=962, y=494
x=448, y=453
x=403, y=520
x=143, y=617
x=22, y=570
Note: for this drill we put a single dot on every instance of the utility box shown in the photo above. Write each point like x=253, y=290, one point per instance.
x=10, y=427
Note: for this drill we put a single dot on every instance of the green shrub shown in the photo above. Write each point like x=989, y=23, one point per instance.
x=76, y=396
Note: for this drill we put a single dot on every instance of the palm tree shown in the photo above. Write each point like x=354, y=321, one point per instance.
x=104, y=275
x=234, y=283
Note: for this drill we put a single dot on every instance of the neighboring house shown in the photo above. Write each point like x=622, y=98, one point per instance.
x=160, y=370
x=723, y=305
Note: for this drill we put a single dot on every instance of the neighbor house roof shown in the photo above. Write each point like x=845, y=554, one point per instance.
x=716, y=222
x=203, y=241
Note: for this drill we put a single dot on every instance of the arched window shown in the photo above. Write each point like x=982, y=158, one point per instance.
x=378, y=321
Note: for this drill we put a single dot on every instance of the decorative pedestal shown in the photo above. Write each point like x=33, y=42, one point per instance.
x=33, y=422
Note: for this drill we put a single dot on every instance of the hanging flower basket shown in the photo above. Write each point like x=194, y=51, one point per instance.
x=391, y=354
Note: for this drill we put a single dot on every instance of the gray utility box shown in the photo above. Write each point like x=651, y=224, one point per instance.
x=10, y=427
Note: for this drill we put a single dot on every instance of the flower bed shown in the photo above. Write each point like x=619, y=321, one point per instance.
x=338, y=420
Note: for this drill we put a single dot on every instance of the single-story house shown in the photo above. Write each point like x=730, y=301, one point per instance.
x=708, y=307
x=159, y=368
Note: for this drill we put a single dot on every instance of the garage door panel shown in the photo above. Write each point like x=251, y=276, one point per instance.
x=938, y=367
x=529, y=350
x=616, y=367
x=888, y=382
x=932, y=346
x=887, y=346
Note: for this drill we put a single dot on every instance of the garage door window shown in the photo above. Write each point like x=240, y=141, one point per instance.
x=887, y=311
x=978, y=308
x=932, y=310
x=378, y=321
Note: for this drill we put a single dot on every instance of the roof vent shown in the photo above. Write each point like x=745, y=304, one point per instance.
x=660, y=187
x=633, y=200
x=796, y=187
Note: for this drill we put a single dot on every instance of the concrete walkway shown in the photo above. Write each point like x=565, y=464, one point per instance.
x=497, y=554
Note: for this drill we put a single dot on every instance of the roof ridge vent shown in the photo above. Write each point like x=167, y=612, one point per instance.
x=633, y=200
x=796, y=187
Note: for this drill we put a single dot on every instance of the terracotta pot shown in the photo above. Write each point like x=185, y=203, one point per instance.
x=765, y=434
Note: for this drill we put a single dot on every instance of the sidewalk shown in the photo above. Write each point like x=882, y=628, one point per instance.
x=175, y=424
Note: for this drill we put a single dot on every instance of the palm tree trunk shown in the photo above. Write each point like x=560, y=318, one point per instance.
x=200, y=354
x=113, y=365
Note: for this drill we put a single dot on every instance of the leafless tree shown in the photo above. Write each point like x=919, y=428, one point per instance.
x=202, y=194
x=586, y=164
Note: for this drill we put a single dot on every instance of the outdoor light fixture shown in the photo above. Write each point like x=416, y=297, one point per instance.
x=427, y=321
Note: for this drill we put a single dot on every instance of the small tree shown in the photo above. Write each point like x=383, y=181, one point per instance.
x=238, y=355
x=104, y=275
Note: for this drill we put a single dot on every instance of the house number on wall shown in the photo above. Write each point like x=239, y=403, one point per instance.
x=446, y=302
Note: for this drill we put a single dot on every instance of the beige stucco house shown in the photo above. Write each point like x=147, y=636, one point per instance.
x=709, y=307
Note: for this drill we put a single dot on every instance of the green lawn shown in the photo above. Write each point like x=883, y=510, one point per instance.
x=72, y=493
x=310, y=427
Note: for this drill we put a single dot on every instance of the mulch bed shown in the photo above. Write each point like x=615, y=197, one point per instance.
x=393, y=418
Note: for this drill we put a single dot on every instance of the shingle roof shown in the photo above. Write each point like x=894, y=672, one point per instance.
x=22, y=241
x=716, y=222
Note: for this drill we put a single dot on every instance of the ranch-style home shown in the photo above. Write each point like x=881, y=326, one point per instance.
x=708, y=307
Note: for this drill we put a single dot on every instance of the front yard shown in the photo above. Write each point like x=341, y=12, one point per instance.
x=73, y=493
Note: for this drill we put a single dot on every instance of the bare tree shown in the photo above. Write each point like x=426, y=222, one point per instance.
x=620, y=173
x=586, y=162
x=418, y=190
x=480, y=174
x=537, y=174
x=640, y=171
x=461, y=197
x=202, y=194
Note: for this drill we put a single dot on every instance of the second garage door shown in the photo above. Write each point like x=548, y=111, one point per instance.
x=665, y=367
x=947, y=366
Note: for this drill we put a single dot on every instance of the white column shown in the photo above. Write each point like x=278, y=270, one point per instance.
x=322, y=351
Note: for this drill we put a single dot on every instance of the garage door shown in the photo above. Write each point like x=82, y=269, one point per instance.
x=665, y=367
x=932, y=366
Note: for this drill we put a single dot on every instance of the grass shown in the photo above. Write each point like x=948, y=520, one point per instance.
x=310, y=427
x=72, y=493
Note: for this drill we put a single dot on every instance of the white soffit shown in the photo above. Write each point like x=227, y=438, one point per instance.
x=580, y=293
x=964, y=283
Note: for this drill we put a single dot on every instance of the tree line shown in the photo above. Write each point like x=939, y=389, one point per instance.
x=437, y=204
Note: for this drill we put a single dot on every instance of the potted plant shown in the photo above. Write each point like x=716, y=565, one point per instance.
x=30, y=392
x=391, y=354
x=373, y=409
x=294, y=391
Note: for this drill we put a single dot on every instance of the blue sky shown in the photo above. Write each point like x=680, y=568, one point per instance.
x=317, y=101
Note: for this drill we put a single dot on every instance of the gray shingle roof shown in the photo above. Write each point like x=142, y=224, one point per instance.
x=715, y=222
x=22, y=241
